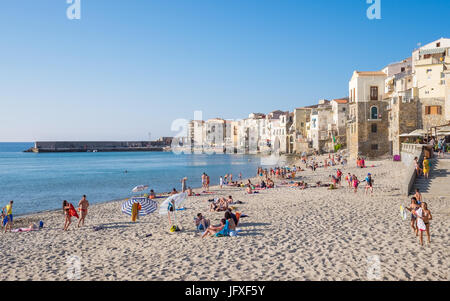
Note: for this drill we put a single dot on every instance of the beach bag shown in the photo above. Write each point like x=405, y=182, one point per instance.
x=41, y=224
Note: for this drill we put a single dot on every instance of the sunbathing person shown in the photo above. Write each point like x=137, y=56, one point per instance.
x=215, y=229
x=249, y=190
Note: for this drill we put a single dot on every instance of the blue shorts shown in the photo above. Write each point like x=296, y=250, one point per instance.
x=8, y=217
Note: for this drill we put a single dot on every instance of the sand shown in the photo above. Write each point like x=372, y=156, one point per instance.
x=290, y=234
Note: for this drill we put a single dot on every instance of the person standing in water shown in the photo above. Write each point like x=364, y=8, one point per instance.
x=83, y=208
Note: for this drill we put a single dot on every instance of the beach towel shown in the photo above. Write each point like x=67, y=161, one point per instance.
x=23, y=230
x=72, y=211
x=134, y=211
x=420, y=222
x=238, y=216
x=225, y=231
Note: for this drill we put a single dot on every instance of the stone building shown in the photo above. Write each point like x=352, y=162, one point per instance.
x=402, y=106
x=367, y=126
x=429, y=66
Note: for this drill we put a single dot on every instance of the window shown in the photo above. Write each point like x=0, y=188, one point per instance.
x=402, y=69
x=373, y=113
x=343, y=109
x=429, y=70
x=438, y=45
x=433, y=110
x=442, y=75
x=374, y=128
x=373, y=93
x=374, y=146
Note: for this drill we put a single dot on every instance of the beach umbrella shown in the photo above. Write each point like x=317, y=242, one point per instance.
x=140, y=188
x=148, y=206
x=178, y=200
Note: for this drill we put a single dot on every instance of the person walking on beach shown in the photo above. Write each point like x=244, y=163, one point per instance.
x=369, y=183
x=83, y=208
x=221, y=182
x=412, y=209
x=423, y=216
x=207, y=183
x=355, y=183
x=67, y=215
x=426, y=168
x=417, y=166
x=240, y=176
x=418, y=196
x=8, y=219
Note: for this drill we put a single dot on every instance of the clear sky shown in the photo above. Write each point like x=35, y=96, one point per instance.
x=129, y=68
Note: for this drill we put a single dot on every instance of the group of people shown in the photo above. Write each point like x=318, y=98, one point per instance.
x=227, y=226
x=221, y=204
x=69, y=212
x=420, y=217
x=353, y=182
x=426, y=167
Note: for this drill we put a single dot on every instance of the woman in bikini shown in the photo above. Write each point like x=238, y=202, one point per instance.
x=214, y=229
x=68, y=218
x=412, y=209
x=427, y=217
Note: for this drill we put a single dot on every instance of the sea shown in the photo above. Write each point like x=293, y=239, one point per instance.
x=40, y=182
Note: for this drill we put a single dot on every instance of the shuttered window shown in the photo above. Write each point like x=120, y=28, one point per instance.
x=433, y=110
x=373, y=93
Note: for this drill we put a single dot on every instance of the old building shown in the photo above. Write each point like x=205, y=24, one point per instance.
x=298, y=132
x=429, y=66
x=402, y=106
x=338, y=128
x=367, y=126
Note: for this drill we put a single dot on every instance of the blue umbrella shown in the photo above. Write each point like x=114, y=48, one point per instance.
x=148, y=206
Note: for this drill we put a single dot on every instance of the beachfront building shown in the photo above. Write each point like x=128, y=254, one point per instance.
x=402, y=106
x=430, y=65
x=215, y=135
x=196, y=136
x=321, y=126
x=338, y=128
x=298, y=132
x=277, y=128
x=367, y=125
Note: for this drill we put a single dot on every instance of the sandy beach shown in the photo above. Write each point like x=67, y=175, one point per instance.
x=289, y=234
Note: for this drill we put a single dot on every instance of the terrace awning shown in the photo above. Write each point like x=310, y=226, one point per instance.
x=433, y=51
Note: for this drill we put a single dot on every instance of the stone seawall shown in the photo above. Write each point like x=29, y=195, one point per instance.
x=96, y=146
x=409, y=152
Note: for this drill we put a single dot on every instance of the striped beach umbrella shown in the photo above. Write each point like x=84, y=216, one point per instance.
x=148, y=206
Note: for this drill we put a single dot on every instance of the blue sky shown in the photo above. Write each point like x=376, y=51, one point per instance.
x=129, y=68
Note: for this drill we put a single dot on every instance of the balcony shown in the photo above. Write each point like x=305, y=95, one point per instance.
x=428, y=61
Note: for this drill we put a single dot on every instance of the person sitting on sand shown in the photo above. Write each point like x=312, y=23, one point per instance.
x=152, y=194
x=189, y=191
x=83, y=208
x=174, y=191
x=215, y=229
x=231, y=220
x=230, y=200
x=249, y=190
x=201, y=222
x=334, y=180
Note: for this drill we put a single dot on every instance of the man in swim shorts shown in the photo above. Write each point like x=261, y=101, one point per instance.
x=83, y=208
x=8, y=220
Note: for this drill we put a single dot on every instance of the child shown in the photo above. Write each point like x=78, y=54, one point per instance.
x=369, y=183
x=355, y=183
